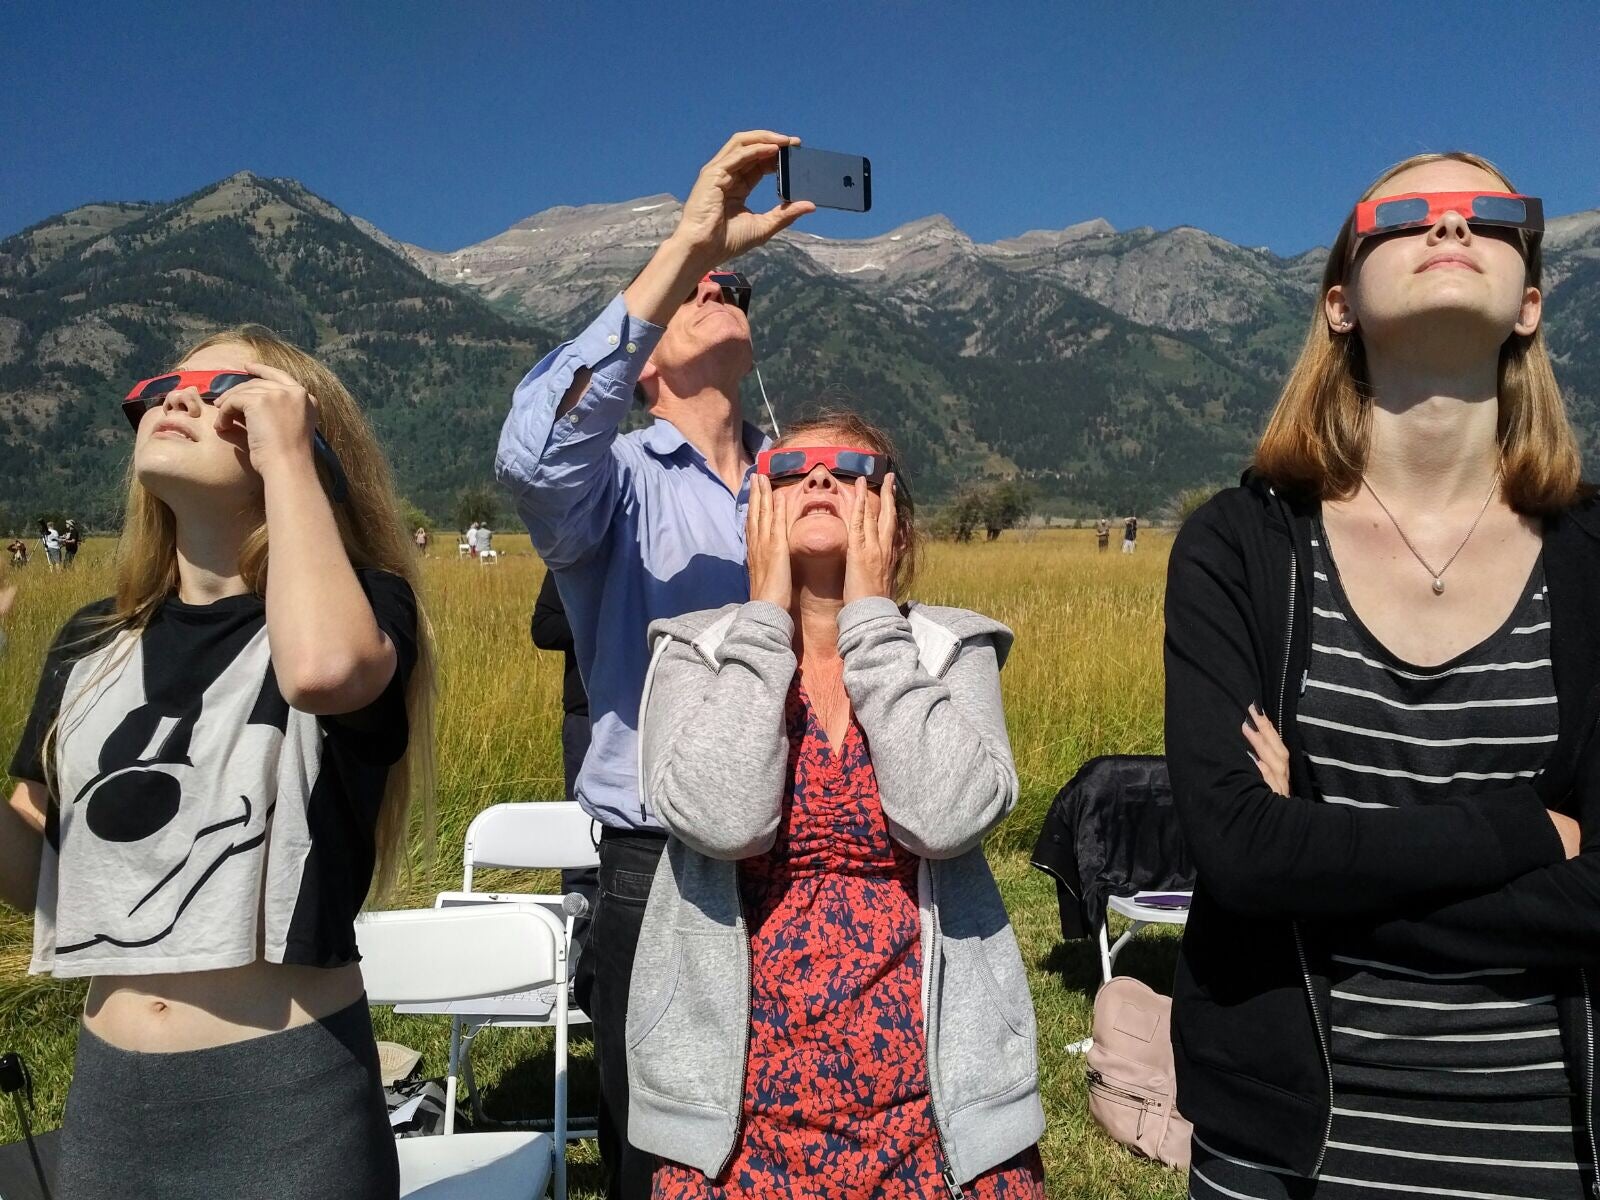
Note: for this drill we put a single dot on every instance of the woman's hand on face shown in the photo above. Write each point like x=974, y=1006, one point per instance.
x=271, y=417
x=869, y=547
x=1267, y=749
x=767, y=542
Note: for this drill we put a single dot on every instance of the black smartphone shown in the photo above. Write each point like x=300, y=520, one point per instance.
x=827, y=179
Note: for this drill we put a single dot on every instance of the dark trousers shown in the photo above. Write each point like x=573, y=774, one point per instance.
x=585, y=881
x=604, y=975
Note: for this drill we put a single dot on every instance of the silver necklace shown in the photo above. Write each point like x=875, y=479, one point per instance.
x=1438, y=576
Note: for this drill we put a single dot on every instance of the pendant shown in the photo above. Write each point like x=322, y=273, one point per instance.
x=1438, y=587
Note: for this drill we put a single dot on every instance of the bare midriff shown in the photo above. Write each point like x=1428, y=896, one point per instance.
x=200, y=1009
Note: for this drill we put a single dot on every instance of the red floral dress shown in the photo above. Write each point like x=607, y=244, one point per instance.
x=836, y=1093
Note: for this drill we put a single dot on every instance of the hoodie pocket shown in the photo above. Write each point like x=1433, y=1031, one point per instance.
x=999, y=956
x=986, y=1031
x=654, y=1006
x=685, y=1037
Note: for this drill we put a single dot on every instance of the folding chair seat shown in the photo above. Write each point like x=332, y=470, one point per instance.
x=536, y=835
x=433, y=956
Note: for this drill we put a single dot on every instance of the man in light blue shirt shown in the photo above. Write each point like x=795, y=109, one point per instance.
x=639, y=526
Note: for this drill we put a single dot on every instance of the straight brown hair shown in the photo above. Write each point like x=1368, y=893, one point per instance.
x=1317, y=438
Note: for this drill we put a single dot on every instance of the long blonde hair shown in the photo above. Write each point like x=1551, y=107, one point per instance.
x=1317, y=439
x=374, y=538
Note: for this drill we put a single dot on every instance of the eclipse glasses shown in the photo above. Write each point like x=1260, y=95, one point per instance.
x=735, y=288
x=843, y=462
x=1423, y=210
x=150, y=393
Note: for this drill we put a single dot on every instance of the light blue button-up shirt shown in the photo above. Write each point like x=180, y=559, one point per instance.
x=635, y=527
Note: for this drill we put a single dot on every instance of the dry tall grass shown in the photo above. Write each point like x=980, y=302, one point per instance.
x=1084, y=678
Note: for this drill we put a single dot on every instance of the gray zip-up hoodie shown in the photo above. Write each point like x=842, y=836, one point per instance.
x=925, y=688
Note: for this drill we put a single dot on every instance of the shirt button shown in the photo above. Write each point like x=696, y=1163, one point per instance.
x=633, y=348
x=612, y=339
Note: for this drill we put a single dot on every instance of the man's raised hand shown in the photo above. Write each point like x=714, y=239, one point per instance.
x=716, y=222
x=716, y=225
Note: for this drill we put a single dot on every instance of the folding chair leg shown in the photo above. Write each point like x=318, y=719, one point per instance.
x=1109, y=957
x=1105, y=951
x=474, y=1096
x=450, y=1077
x=559, y=1142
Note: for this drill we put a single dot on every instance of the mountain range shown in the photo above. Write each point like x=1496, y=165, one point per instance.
x=1110, y=369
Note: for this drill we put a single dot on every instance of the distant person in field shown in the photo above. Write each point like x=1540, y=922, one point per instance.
x=640, y=526
x=1102, y=533
x=50, y=539
x=419, y=539
x=1382, y=989
x=19, y=552
x=828, y=759
x=70, y=543
x=485, y=537
x=1130, y=534
x=551, y=631
x=472, y=540
x=222, y=757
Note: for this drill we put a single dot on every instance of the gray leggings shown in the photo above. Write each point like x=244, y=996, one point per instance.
x=295, y=1115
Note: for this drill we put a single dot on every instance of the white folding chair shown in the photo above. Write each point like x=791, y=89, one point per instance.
x=531, y=836
x=1142, y=915
x=463, y=549
x=433, y=956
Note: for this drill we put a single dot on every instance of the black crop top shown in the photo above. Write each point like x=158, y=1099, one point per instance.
x=198, y=821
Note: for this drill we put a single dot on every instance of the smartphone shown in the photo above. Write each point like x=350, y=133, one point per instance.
x=827, y=179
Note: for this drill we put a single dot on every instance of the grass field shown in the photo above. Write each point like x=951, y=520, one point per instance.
x=1084, y=679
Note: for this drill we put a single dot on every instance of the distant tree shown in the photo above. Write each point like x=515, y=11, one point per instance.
x=412, y=517
x=476, y=502
x=1005, y=505
x=966, y=512
x=1186, y=501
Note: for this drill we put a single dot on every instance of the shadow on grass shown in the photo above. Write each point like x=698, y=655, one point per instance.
x=524, y=1086
x=523, y=1089
x=1150, y=957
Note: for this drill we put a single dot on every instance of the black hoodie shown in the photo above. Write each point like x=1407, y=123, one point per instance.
x=1481, y=879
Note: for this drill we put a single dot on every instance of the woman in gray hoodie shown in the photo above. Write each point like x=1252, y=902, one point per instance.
x=828, y=999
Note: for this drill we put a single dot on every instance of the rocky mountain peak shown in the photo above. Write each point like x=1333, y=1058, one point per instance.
x=1041, y=239
x=1574, y=230
x=914, y=248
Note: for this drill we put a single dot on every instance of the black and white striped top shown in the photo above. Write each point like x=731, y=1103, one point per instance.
x=1449, y=1080
x=1381, y=733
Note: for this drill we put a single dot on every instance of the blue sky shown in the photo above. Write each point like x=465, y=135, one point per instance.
x=445, y=123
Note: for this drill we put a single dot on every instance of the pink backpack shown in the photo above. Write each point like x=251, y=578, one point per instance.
x=1132, y=1088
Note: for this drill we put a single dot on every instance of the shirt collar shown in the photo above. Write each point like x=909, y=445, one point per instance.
x=664, y=439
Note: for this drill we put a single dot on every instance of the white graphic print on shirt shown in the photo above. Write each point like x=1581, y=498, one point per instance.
x=186, y=816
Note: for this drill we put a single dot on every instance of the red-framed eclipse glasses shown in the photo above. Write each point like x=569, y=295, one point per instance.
x=735, y=288
x=1423, y=210
x=843, y=462
x=149, y=393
